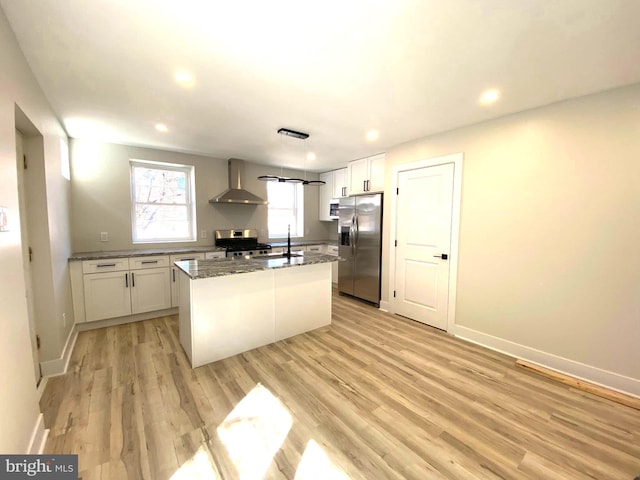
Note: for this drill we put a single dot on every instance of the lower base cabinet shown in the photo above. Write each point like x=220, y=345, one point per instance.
x=119, y=287
x=106, y=295
x=150, y=290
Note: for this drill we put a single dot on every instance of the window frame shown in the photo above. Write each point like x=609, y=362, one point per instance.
x=298, y=208
x=190, y=203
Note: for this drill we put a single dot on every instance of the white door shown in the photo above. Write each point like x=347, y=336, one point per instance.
x=423, y=231
x=26, y=255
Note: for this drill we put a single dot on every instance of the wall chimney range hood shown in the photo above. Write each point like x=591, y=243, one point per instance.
x=235, y=193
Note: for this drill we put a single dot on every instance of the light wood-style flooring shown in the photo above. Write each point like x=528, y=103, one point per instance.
x=373, y=396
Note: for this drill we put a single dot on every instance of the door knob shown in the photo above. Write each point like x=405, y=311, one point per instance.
x=444, y=256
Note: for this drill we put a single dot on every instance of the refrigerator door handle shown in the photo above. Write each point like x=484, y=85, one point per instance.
x=352, y=235
x=357, y=229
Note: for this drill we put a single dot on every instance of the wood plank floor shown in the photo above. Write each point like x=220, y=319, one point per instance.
x=373, y=396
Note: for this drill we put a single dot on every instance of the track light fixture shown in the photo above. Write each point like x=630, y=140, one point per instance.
x=281, y=179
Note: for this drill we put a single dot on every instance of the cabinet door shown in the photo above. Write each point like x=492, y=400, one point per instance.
x=106, y=295
x=358, y=173
x=175, y=274
x=340, y=183
x=324, y=196
x=376, y=173
x=150, y=290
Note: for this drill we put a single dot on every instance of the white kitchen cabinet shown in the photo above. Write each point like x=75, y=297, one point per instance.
x=106, y=295
x=334, y=189
x=123, y=286
x=340, y=189
x=366, y=175
x=150, y=289
x=212, y=255
x=294, y=249
x=175, y=277
x=333, y=250
x=315, y=248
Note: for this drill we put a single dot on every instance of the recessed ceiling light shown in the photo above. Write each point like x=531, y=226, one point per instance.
x=161, y=127
x=184, y=78
x=311, y=156
x=372, y=135
x=489, y=96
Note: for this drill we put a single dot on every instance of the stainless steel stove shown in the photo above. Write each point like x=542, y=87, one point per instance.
x=241, y=243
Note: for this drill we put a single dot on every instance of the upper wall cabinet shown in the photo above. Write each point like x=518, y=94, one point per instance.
x=335, y=187
x=366, y=175
x=340, y=189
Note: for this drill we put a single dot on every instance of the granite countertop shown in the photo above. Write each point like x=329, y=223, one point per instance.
x=302, y=243
x=197, y=269
x=142, y=252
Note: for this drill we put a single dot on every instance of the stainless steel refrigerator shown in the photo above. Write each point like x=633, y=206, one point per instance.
x=360, y=242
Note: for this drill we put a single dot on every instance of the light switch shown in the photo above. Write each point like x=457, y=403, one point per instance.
x=203, y=234
x=104, y=236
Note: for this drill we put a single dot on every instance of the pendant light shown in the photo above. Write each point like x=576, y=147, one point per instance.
x=283, y=179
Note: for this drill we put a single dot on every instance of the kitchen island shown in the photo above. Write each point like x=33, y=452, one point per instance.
x=230, y=305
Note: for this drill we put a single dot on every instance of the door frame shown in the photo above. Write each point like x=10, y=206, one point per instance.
x=457, y=160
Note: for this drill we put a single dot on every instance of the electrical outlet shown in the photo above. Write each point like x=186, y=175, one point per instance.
x=203, y=234
x=64, y=319
x=104, y=236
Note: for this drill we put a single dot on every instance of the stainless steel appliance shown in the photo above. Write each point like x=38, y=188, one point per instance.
x=235, y=193
x=360, y=245
x=240, y=243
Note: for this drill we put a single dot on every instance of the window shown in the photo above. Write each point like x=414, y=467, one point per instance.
x=286, y=207
x=162, y=202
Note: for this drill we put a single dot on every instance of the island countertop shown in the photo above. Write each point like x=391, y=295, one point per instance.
x=197, y=269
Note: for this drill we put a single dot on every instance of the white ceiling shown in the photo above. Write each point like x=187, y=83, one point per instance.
x=331, y=68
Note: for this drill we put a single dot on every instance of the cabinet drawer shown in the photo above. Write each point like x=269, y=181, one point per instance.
x=138, y=263
x=333, y=249
x=315, y=248
x=107, y=265
x=211, y=255
x=186, y=257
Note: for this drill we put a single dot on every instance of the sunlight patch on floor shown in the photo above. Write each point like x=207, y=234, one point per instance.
x=254, y=431
x=316, y=465
x=198, y=467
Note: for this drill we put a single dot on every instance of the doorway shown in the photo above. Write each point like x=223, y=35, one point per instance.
x=424, y=231
x=27, y=254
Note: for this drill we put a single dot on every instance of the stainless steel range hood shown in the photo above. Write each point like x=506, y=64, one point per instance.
x=235, y=193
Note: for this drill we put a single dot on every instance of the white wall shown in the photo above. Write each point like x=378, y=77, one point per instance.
x=550, y=228
x=101, y=196
x=18, y=396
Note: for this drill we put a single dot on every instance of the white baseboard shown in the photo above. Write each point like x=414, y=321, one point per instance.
x=112, y=322
x=38, y=437
x=611, y=380
x=384, y=306
x=59, y=365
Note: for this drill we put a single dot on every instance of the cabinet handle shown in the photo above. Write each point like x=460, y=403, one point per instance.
x=126, y=280
x=102, y=265
x=173, y=270
x=146, y=262
x=133, y=280
x=344, y=194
